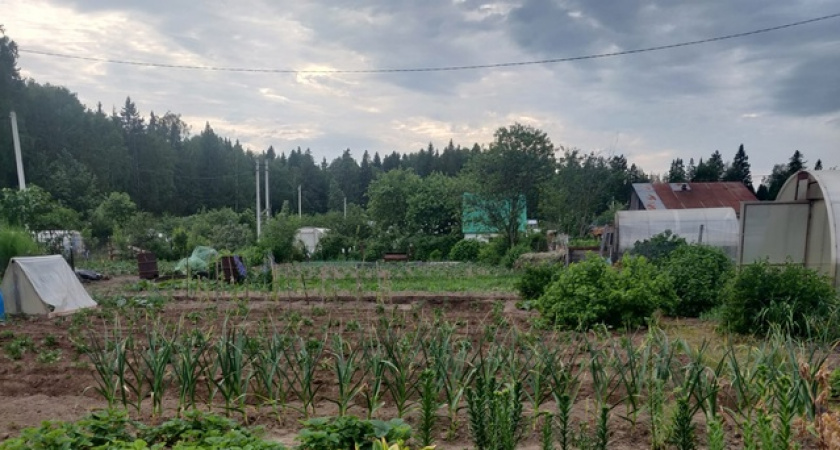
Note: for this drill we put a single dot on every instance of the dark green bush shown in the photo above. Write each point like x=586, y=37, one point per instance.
x=493, y=252
x=657, y=248
x=15, y=242
x=798, y=300
x=536, y=279
x=699, y=273
x=592, y=292
x=513, y=254
x=465, y=250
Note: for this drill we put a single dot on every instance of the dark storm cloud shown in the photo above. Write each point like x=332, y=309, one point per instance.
x=812, y=88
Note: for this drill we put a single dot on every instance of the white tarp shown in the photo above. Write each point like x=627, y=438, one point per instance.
x=43, y=285
x=310, y=237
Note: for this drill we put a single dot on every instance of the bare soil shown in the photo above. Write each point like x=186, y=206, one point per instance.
x=33, y=391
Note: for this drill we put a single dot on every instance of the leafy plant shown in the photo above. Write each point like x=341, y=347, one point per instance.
x=699, y=274
x=593, y=292
x=535, y=279
x=465, y=250
x=658, y=247
x=328, y=433
x=799, y=300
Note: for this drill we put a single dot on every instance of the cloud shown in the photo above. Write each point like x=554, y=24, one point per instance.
x=774, y=92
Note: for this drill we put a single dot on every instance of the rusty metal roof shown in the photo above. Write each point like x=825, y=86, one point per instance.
x=693, y=195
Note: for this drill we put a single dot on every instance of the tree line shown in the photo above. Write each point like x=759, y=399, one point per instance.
x=89, y=165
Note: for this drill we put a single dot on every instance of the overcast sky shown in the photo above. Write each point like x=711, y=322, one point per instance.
x=774, y=92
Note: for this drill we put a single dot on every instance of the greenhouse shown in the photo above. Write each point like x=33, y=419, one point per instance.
x=800, y=226
x=717, y=227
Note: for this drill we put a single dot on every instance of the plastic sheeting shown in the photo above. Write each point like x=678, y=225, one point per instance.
x=717, y=227
x=199, y=261
x=821, y=189
x=43, y=285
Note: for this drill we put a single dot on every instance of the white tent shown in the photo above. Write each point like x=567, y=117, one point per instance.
x=43, y=285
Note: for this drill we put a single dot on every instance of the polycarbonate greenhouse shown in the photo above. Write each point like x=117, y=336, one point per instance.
x=717, y=227
x=800, y=226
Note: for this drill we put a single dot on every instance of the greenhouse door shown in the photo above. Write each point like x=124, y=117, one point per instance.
x=776, y=231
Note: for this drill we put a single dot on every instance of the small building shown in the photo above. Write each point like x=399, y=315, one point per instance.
x=310, y=237
x=717, y=227
x=477, y=213
x=801, y=226
x=659, y=196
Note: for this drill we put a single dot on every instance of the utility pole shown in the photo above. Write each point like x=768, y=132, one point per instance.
x=18, y=159
x=267, y=199
x=300, y=206
x=345, y=206
x=259, y=212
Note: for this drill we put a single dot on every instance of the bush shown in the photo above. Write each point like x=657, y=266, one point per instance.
x=513, y=254
x=465, y=250
x=493, y=252
x=798, y=300
x=535, y=280
x=657, y=248
x=327, y=433
x=699, y=273
x=14, y=242
x=593, y=292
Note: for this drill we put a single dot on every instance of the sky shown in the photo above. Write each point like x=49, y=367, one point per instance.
x=773, y=92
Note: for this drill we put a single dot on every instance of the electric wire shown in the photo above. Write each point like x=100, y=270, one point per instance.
x=432, y=69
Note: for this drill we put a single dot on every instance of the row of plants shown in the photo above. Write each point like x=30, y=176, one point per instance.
x=572, y=389
x=682, y=280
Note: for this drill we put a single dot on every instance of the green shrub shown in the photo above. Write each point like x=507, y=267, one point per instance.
x=593, y=292
x=535, y=280
x=657, y=248
x=465, y=250
x=796, y=299
x=493, y=252
x=699, y=273
x=513, y=254
x=114, y=430
x=15, y=242
x=328, y=433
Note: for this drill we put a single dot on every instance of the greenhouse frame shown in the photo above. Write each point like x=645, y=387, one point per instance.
x=717, y=227
x=800, y=226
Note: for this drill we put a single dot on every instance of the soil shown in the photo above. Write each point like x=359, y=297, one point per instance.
x=33, y=391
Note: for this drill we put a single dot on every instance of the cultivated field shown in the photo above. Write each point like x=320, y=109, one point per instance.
x=440, y=346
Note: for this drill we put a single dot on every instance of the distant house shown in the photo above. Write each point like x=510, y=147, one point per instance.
x=476, y=217
x=659, y=196
x=310, y=237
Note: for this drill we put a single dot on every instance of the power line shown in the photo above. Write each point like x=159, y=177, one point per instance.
x=433, y=69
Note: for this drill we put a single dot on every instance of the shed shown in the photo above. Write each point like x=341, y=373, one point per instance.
x=310, y=237
x=659, y=196
x=717, y=227
x=800, y=226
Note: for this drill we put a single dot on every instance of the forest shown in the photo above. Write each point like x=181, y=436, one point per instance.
x=136, y=177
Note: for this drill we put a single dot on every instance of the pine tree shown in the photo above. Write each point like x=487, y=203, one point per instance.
x=796, y=163
x=818, y=165
x=740, y=169
x=677, y=172
x=691, y=170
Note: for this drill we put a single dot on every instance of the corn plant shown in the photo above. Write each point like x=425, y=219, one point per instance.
x=544, y=362
x=495, y=413
x=402, y=376
x=429, y=389
x=302, y=361
x=189, y=366
x=268, y=367
x=374, y=388
x=156, y=359
x=107, y=357
x=231, y=365
x=683, y=435
x=135, y=382
x=346, y=366
x=631, y=364
x=452, y=364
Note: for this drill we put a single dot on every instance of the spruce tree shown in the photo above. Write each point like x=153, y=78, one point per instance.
x=677, y=172
x=740, y=169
